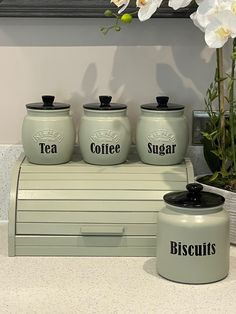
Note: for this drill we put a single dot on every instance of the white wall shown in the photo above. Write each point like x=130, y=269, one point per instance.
x=71, y=59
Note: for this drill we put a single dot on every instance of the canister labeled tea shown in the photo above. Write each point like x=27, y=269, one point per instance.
x=193, y=237
x=162, y=133
x=104, y=134
x=48, y=134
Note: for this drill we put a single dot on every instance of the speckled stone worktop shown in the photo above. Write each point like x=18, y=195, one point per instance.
x=71, y=285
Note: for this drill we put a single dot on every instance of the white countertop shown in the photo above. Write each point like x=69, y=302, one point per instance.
x=69, y=285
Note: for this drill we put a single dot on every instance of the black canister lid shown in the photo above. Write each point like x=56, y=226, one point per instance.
x=47, y=104
x=194, y=197
x=162, y=105
x=105, y=105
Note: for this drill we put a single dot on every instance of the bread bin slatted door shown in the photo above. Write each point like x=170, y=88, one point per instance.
x=77, y=209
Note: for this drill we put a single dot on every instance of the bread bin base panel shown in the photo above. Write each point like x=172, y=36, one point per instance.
x=77, y=209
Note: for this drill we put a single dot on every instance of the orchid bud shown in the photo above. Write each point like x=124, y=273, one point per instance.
x=108, y=13
x=126, y=18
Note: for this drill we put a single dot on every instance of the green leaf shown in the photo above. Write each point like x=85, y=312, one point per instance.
x=214, y=177
x=216, y=153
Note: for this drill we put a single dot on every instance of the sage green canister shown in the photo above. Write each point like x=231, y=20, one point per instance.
x=193, y=237
x=162, y=133
x=104, y=133
x=48, y=133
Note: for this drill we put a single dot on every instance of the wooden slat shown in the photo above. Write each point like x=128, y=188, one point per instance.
x=101, y=185
x=74, y=229
x=84, y=251
x=140, y=241
x=77, y=209
x=13, y=205
x=79, y=167
x=90, y=195
x=90, y=206
x=87, y=217
x=35, y=176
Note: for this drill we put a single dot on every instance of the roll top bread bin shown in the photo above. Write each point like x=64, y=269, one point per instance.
x=162, y=133
x=193, y=238
x=104, y=133
x=48, y=134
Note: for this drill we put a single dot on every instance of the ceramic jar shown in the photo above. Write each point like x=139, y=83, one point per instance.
x=48, y=134
x=104, y=134
x=193, y=237
x=162, y=133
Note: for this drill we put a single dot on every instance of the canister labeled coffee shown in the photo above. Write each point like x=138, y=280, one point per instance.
x=162, y=133
x=104, y=134
x=193, y=237
x=48, y=134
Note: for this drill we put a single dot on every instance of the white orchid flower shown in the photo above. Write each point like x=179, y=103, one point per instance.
x=208, y=7
x=233, y=6
x=176, y=4
x=147, y=8
x=208, y=10
x=121, y=3
x=198, y=20
x=220, y=29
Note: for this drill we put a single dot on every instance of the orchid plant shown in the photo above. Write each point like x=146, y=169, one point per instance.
x=217, y=20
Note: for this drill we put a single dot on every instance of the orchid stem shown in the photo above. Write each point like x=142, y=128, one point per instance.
x=221, y=98
x=231, y=104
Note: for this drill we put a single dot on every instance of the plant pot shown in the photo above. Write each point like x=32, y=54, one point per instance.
x=229, y=206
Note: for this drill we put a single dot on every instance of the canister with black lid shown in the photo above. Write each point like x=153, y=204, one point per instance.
x=193, y=237
x=162, y=133
x=48, y=133
x=104, y=133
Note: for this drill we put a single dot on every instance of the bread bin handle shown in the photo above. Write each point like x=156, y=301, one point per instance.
x=102, y=230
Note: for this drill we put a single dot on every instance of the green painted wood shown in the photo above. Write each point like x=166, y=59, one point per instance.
x=77, y=209
x=11, y=245
x=89, y=206
x=13, y=203
x=140, y=241
x=100, y=176
x=80, y=166
x=84, y=251
x=75, y=229
x=101, y=185
x=102, y=230
x=87, y=217
x=90, y=194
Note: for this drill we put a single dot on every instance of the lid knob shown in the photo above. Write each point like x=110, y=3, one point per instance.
x=162, y=101
x=48, y=100
x=105, y=101
x=194, y=190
